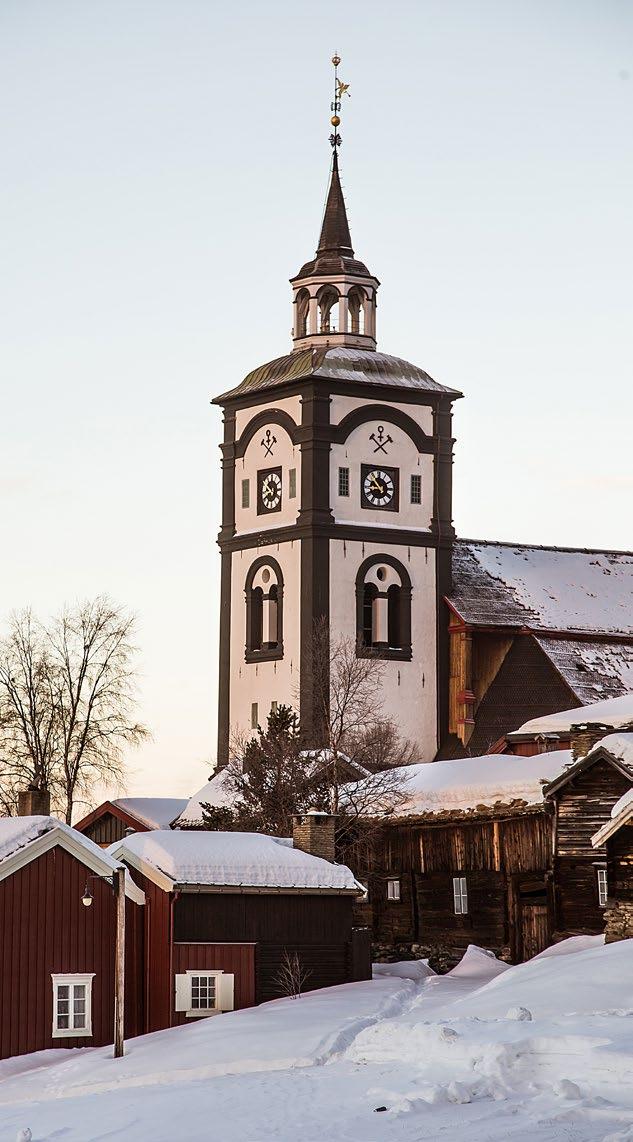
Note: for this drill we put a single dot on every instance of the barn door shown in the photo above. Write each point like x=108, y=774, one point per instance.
x=535, y=935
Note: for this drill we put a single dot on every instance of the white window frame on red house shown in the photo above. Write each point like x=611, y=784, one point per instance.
x=185, y=986
x=72, y=980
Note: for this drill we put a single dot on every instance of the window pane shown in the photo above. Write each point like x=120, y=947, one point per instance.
x=343, y=481
x=62, y=1022
x=254, y=716
x=62, y=991
x=63, y=1006
x=292, y=483
x=79, y=1020
x=246, y=493
x=416, y=489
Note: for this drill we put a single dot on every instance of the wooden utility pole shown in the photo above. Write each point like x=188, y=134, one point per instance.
x=119, y=964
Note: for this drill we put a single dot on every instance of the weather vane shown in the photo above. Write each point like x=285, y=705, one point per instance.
x=340, y=89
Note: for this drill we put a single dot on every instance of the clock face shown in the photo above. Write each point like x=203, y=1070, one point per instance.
x=269, y=490
x=379, y=487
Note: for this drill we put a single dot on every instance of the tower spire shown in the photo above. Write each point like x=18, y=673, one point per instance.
x=334, y=293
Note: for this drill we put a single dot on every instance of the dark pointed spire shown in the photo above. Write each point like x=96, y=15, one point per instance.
x=335, y=235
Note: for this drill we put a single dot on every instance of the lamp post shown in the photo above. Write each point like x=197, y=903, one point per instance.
x=117, y=880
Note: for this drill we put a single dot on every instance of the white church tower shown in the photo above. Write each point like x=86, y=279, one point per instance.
x=337, y=477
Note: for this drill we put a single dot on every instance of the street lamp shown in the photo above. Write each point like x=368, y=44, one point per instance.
x=117, y=880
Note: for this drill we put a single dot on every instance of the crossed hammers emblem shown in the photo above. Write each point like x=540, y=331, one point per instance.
x=380, y=440
x=267, y=442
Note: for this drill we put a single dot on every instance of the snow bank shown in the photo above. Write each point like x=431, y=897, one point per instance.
x=571, y=945
x=478, y=964
x=614, y=712
x=245, y=860
x=467, y=783
x=405, y=969
x=598, y=979
x=155, y=812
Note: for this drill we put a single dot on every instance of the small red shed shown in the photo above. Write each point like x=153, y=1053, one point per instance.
x=223, y=909
x=112, y=820
x=56, y=953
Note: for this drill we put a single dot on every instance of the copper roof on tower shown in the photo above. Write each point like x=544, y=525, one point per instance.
x=335, y=254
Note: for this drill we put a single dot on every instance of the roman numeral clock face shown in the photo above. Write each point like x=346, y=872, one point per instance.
x=379, y=487
x=269, y=490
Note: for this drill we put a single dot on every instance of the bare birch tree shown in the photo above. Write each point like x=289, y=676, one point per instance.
x=67, y=701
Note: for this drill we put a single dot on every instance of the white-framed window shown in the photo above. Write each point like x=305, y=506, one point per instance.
x=202, y=991
x=393, y=889
x=460, y=895
x=603, y=888
x=72, y=1005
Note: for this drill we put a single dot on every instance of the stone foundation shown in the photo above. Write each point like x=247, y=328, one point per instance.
x=618, y=921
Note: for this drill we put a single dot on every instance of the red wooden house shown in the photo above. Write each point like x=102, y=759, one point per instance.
x=224, y=908
x=56, y=953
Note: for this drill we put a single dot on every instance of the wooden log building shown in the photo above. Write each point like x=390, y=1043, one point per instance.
x=616, y=836
x=582, y=797
x=468, y=862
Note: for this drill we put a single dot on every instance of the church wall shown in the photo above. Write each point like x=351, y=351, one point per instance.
x=284, y=455
x=341, y=405
x=403, y=455
x=409, y=688
x=265, y=681
x=291, y=405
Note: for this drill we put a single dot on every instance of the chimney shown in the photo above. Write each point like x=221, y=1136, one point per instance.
x=585, y=735
x=314, y=833
x=33, y=802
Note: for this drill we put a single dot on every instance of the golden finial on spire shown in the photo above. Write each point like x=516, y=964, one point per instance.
x=340, y=89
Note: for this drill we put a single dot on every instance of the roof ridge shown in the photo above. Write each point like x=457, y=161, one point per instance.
x=544, y=546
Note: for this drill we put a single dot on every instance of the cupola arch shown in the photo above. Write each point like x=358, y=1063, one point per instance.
x=264, y=599
x=383, y=608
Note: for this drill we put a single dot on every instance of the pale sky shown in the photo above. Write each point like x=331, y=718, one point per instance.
x=163, y=170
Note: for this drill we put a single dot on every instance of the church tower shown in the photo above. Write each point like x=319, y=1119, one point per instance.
x=336, y=505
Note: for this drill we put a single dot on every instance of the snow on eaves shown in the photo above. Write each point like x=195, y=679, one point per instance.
x=241, y=860
x=155, y=812
x=619, y=746
x=614, y=712
x=471, y=783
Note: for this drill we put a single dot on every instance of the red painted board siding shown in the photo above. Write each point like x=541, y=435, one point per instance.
x=239, y=959
x=45, y=929
x=157, y=1006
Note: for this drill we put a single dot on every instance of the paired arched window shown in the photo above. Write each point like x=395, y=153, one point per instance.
x=328, y=299
x=264, y=610
x=383, y=608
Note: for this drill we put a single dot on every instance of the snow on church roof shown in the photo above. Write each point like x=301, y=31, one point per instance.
x=231, y=860
x=470, y=783
x=543, y=588
x=615, y=712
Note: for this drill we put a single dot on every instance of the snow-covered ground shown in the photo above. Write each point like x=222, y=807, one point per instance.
x=541, y=1051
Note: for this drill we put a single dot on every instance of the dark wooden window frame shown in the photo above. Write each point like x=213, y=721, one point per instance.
x=363, y=650
x=262, y=653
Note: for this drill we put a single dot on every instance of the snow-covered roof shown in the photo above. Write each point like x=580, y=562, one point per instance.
x=472, y=782
x=21, y=836
x=231, y=860
x=614, y=712
x=543, y=588
x=214, y=793
x=621, y=814
x=155, y=812
x=619, y=746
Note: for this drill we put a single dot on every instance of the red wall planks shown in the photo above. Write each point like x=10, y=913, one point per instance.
x=239, y=959
x=45, y=928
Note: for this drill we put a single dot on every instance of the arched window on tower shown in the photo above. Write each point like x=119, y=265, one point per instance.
x=383, y=608
x=264, y=610
x=356, y=309
x=328, y=300
x=303, y=309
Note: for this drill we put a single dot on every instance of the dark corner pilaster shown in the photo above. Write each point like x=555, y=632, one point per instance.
x=442, y=528
x=227, y=531
x=315, y=514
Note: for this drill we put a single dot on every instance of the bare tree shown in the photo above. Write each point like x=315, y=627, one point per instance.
x=291, y=977
x=347, y=689
x=67, y=700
